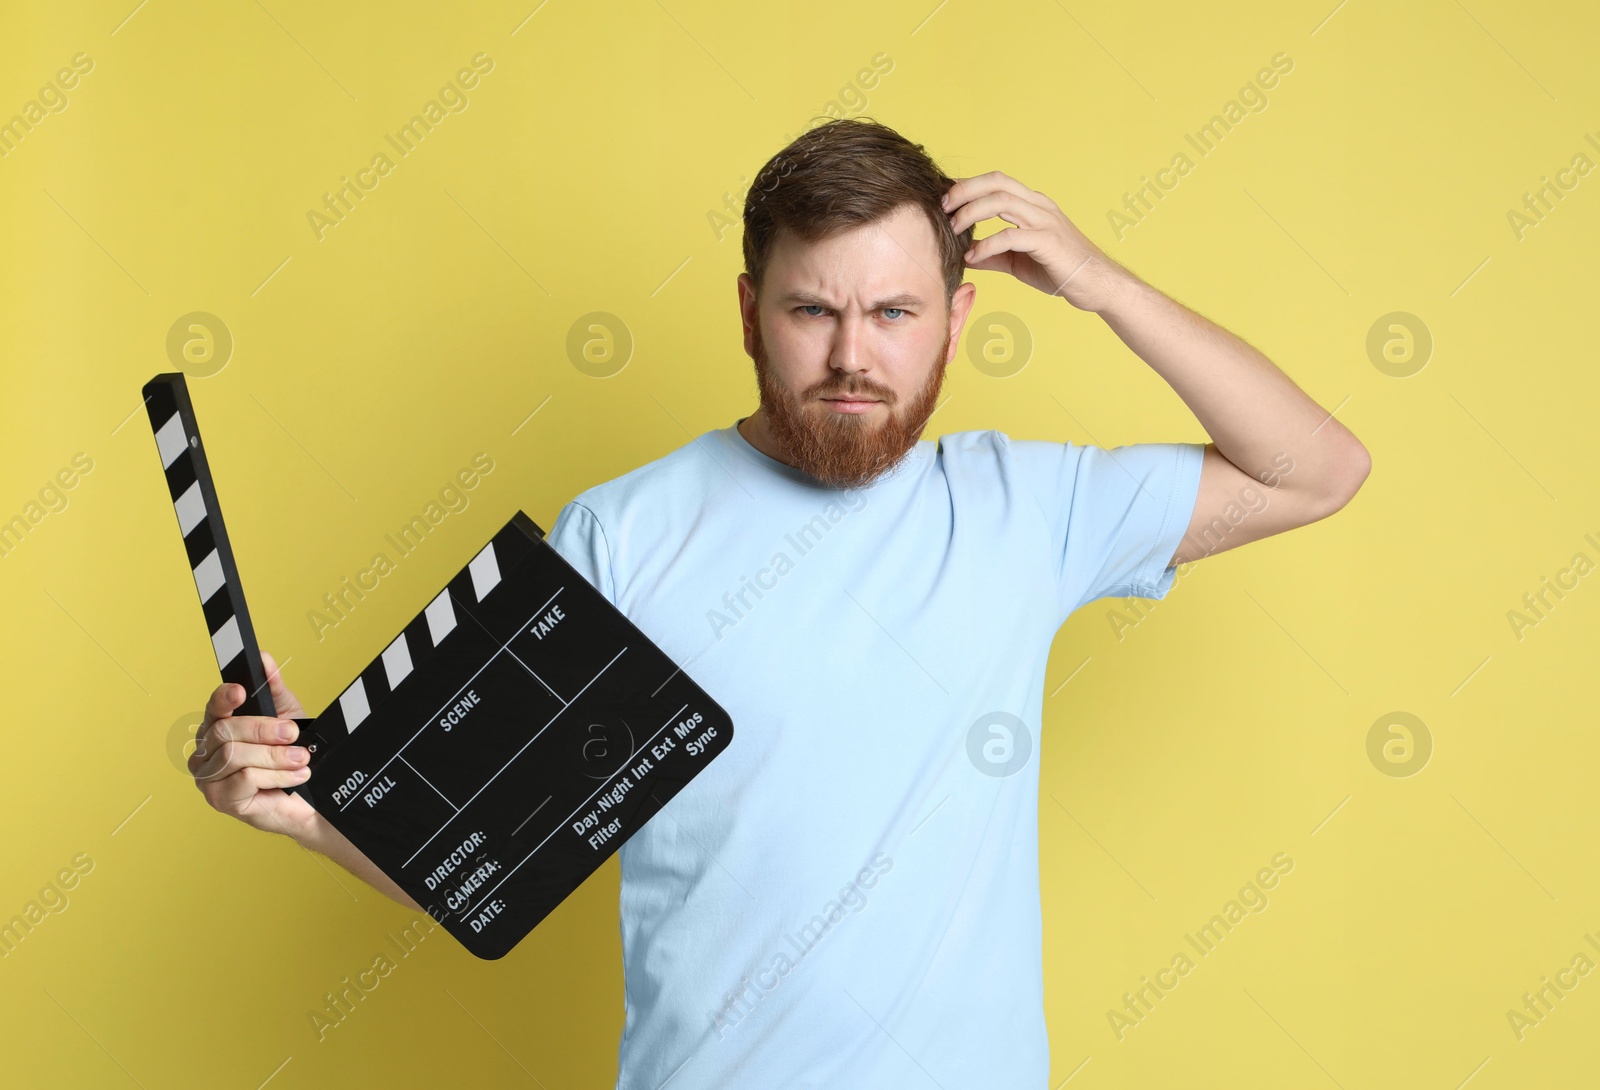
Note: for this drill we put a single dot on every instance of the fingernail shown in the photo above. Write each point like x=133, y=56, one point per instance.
x=286, y=731
x=297, y=754
x=301, y=773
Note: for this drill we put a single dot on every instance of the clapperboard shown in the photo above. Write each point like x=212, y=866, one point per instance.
x=501, y=747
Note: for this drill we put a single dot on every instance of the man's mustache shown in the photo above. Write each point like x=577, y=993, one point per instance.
x=833, y=388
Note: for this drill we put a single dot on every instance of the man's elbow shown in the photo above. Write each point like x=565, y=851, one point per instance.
x=1354, y=468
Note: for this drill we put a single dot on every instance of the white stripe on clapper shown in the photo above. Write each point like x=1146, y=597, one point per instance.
x=397, y=661
x=208, y=575
x=485, y=572
x=170, y=441
x=191, y=509
x=354, y=705
x=441, y=617
x=227, y=641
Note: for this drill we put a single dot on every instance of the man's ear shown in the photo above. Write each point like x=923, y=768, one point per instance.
x=749, y=312
x=960, y=308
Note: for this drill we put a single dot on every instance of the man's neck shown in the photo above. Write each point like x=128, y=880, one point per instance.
x=756, y=433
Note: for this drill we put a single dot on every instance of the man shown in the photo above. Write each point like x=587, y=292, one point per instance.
x=848, y=896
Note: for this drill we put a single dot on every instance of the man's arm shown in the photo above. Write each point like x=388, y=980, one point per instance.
x=1265, y=431
x=320, y=836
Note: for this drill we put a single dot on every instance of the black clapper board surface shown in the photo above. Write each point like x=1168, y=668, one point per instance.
x=501, y=747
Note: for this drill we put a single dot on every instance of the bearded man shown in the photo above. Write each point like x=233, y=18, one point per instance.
x=848, y=896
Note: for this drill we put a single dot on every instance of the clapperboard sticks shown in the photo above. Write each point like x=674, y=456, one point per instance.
x=216, y=578
x=205, y=539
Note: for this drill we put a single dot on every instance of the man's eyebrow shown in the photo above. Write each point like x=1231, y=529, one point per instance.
x=809, y=299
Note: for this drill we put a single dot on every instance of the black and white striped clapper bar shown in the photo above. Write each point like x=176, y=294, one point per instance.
x=500, y=747
x=194, y=497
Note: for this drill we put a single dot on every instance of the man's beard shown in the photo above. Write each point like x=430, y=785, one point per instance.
x=843, y=450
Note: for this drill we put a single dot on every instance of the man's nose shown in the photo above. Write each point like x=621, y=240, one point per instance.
x=846, y=354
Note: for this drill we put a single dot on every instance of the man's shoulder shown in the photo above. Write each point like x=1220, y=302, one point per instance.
x=994, y=451
x=999, y=451
x=676, y=478
x=982, y=440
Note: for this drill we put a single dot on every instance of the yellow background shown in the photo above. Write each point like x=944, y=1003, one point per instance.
x=1227, y=726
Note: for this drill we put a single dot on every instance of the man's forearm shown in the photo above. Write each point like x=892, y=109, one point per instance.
x=1250, y=408
x=324, y=839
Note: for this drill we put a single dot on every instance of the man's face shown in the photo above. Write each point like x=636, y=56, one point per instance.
x=850, y=340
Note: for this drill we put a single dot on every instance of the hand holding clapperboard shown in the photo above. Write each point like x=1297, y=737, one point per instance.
x=500, y=748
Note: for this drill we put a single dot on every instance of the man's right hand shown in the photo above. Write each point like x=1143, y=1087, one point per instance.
x=241, y=763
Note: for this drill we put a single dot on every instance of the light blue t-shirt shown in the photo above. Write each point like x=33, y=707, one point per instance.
x=848, y=896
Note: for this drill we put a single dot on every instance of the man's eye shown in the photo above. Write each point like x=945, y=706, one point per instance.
x=895, y=310
x=813, y=306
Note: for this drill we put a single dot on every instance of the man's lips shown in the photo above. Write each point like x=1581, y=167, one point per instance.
x=851, y=403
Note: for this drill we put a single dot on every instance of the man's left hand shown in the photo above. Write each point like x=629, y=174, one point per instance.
x=1042, y=248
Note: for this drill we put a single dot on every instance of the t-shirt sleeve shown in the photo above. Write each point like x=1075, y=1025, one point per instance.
x=581, y=541
x=1115, y=516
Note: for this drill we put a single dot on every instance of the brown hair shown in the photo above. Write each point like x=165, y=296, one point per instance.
x=843, y=174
